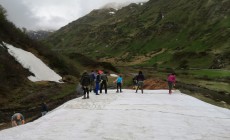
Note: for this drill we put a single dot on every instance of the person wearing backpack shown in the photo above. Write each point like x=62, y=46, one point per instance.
x=44, y=108
x=104, y=81
x=85, y=82
x=140, y=81
x=97, y=81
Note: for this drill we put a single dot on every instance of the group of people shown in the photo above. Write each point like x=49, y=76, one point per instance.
x=97, y=81
x=138, y=81
x=94, y=81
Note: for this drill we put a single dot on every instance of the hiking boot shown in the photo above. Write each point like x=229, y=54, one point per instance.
x=88, y=97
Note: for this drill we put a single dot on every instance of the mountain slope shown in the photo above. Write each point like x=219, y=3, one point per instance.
x=17, y=92
x=181, y=33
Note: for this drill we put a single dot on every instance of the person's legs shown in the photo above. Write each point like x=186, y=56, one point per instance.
x=44, y=113
x=91, y=86
x=84, y=88
x=141, y=84
x=87, y=91
x=105, y=84
x=97, y=88
x=94, y=85
x=101, y=85
x=170, y=87
x=137, y=87
x=118, y=87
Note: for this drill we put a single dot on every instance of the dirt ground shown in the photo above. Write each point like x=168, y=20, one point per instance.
x=155, y=84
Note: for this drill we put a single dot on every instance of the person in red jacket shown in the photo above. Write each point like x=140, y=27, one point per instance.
x=171, y=81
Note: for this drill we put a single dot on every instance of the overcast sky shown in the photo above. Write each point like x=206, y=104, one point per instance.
x=51, y=14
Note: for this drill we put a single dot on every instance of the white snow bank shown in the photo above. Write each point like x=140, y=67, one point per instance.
x=112, y=13
x=154, y=115
x=113, y=75
x=29, y=61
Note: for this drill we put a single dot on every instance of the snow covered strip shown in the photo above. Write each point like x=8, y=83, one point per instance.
x=154, y=115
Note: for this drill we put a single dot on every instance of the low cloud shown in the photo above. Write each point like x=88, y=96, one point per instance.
x=53, y=14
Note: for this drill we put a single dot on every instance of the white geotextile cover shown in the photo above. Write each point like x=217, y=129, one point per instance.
x=154, y=115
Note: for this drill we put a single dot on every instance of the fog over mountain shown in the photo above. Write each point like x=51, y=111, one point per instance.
x=53, y=14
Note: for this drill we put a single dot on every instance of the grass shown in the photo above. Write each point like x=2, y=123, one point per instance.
x=66, y=90
x=208, y=100
x=209, y=73
x=203, y=78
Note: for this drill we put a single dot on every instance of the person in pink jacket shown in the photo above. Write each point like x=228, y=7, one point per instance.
x=171, y=81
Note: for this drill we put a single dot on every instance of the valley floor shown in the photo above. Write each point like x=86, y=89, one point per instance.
x=130, y=116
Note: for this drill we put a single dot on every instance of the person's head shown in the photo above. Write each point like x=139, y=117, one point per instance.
x=140, y=72
x=18, y=116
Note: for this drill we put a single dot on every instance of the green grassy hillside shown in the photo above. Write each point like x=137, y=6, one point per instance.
x=178, y=34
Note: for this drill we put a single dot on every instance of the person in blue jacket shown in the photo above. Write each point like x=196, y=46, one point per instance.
x=119, y=82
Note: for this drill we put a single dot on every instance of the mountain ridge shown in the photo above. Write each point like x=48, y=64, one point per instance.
x=179, y=27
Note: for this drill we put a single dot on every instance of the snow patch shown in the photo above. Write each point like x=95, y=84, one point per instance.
x=111, y=13
x=29, y=61
x=113, y=75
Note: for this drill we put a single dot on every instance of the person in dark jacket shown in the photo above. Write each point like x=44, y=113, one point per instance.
x=104, y=81
x=85, y=82
x=140, y=81
x=44, y=108
x=98, y=80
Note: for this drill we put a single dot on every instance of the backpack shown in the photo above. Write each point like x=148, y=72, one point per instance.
x=103, y=77
x=85, y=81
